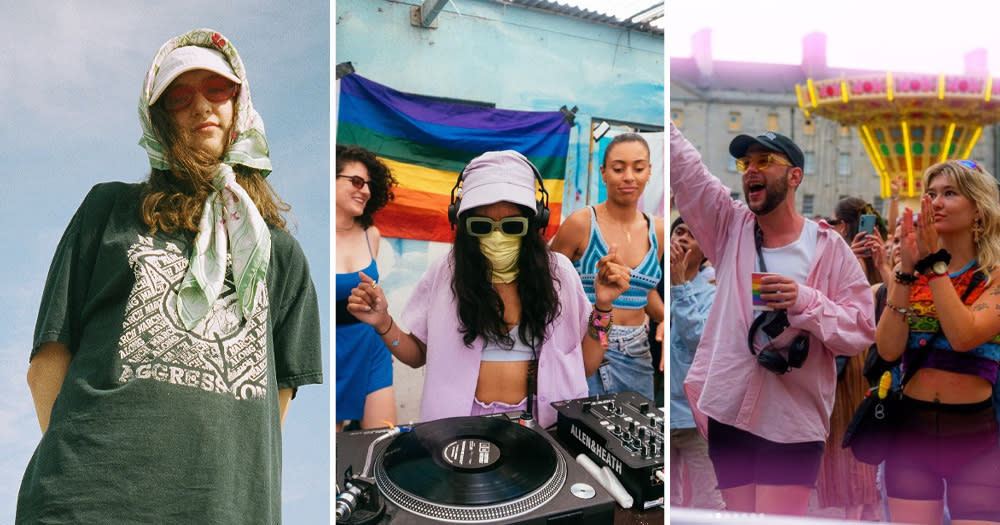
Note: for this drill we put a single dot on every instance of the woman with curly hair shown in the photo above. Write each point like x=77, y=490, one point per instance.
x=500, y=313
x=177, y=321
x=942, y=317
x=364, y=365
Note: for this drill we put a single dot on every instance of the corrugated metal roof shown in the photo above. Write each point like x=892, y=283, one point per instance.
x=589, y=15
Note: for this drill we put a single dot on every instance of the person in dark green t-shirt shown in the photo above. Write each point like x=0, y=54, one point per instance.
x=177, y=321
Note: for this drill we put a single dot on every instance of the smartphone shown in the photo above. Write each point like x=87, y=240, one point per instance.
x=867, y=224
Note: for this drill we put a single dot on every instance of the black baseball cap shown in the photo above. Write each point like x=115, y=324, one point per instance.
x=769, y=140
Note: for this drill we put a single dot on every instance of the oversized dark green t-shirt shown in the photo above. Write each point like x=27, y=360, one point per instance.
x=155, y=423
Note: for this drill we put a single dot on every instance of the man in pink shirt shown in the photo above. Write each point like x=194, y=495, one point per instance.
x=766, y=418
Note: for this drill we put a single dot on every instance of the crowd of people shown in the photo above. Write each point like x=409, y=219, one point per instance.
x=781, y=323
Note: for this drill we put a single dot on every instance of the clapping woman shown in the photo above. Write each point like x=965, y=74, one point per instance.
x=948, y=432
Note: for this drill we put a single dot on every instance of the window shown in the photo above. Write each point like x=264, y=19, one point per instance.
x=809, y=164
x=735, y=121
x=677, y=115
x=807, y=204
x=732, y=165
x=844, y=164
x=772, y=122
x=809, y=127
x=845, y=131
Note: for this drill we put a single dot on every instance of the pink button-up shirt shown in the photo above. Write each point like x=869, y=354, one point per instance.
x=835, y=307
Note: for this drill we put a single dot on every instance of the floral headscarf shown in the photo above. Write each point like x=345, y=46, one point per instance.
x=231, y=227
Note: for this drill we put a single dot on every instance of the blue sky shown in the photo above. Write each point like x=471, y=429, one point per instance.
x=70, y=77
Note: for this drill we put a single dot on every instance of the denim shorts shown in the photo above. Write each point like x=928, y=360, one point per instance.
x=627, y=366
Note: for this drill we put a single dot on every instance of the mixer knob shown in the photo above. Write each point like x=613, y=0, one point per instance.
x=642, y=432
x=643, y=408
x=627, y=438
x=631, y=426
x=586, y=406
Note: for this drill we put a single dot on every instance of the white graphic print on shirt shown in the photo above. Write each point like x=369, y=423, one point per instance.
x=222, y=354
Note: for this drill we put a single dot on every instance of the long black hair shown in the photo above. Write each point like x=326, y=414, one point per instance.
x=480, y=309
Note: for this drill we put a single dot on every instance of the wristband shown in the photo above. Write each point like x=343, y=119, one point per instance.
x=924, y=265
x=905, y=279
x=391, y=322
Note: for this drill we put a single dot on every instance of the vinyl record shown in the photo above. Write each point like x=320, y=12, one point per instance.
x=469, y=461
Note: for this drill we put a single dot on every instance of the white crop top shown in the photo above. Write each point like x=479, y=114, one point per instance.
x=520, y=352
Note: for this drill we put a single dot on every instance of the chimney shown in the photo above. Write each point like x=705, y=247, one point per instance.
x=814, y=55
x=701, y=51
x=976, y=63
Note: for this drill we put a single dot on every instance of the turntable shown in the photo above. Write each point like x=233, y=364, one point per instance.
x=486, y=469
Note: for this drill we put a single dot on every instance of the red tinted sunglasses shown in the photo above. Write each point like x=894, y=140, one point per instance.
x=214, y=89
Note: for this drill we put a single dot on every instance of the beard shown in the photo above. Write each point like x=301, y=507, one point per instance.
x=774, y=194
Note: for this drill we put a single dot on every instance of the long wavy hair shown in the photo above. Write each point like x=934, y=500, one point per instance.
x=980, y=187
x=173, y=199
x=380, y=180
x=480, y=308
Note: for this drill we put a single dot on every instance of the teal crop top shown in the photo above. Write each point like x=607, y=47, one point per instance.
x=644, y=277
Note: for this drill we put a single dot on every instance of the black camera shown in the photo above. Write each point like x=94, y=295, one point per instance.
x=773, y=323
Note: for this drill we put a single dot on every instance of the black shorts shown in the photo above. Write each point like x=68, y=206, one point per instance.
x=935, y=443
x=741, y=458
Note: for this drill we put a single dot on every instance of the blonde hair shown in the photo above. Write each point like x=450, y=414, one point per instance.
x=981, y=188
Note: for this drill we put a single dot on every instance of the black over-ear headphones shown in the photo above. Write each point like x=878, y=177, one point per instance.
x=773, y=323
x=539, y=221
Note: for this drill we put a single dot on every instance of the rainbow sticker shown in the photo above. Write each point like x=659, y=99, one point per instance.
x=755, y=281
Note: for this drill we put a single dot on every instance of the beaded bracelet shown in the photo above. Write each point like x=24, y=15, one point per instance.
x=905, y=312
x=598, y=331
x=905, y=279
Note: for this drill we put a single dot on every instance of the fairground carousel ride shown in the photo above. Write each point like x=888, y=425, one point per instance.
x=906, y=121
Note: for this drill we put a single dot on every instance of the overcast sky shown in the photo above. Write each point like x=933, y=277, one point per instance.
x=70, y=77
x=916, y=35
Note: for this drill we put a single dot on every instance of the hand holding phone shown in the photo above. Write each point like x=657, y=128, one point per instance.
x=866, y=225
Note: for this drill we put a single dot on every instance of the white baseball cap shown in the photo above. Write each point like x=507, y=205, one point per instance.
x=189, y=58
x=499, y=176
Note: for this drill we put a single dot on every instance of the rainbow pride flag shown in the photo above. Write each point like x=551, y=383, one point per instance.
x=426, y=143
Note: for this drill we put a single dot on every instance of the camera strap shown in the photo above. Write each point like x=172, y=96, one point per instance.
x=758, y=241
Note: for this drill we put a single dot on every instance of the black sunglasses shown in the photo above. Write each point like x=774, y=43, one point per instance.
x=356, y=180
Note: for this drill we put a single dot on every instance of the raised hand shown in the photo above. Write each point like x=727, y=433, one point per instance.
x=880, y=255
x=678, y=264
x=927, y=236
x=612, y=277
x=367, y=302
x=908, y=254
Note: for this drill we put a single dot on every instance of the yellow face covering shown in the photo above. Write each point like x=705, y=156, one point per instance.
x=502, y=251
